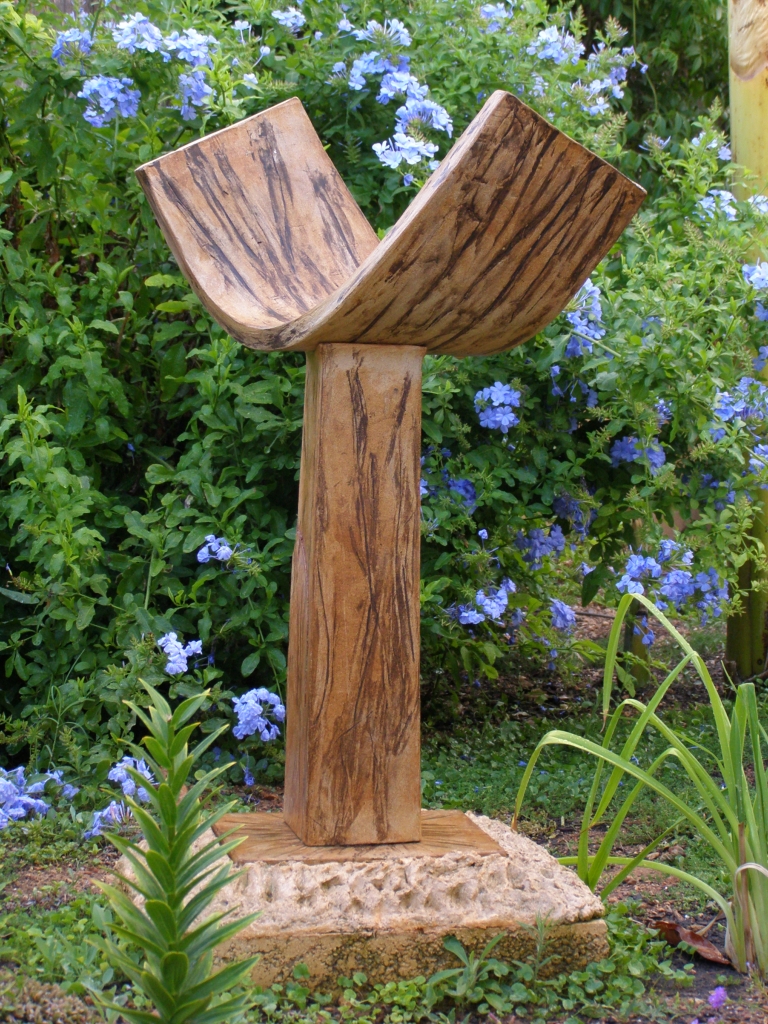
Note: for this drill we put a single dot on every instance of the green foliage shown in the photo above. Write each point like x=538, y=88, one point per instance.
x=177, y=882
x=685, y=45
x=131, y=426
x=731, y=816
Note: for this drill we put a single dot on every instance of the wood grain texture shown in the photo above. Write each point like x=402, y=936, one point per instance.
x=748, y=37
x=352, y=754
x=501, y=237
x=270, y=841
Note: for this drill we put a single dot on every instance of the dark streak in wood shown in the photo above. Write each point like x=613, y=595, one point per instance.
x=352, y=757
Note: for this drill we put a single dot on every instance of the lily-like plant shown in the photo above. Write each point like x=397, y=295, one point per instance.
x=733, y=815
x=176, y=882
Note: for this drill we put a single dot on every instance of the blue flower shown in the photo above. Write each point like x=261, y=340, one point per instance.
x=403, y=147
x=194, y=91
x=401, y=82
x=536, y=546
x=756, y=274
x=654, y=453
x=494, y=407
x=108, y=97
x=421, y=113
x=291, y=19
x=71, y=43
x=138, y=33
x=119, y=774
x=759, y=458
x=114, y=814
x=252, y=710
x=392, y=31
x=678, y=586
x=587, y=319
x=178, y=653
x=551, y=44
x=214, y=547
x=663, y=411
x=194, y=47
x=466, y=490
x=718, y=200
x=469, y=616
x=495, y=14
x=625, y=450
x=241, y=27
x=759, y=203
x=563, y=616
x=248, y=778
x=762, y=353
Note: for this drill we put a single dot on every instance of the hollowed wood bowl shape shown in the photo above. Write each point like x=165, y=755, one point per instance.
x=493, y=247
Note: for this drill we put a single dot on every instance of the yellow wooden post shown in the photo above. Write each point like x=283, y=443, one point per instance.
x=748, y=74
x=748, y=86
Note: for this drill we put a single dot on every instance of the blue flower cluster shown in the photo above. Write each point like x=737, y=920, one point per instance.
x=252, y=710
x=494, y=407
x=723, y=151
x=292, y=19
x=178, y=653
x=194, y=91
x=138, y=33
x=114, y=814
x=495, y=14
x=119, y=774
x=556, y=45
x=214, y=547
x=391, y=32
x=563, y=616
x=536, y=545
x=567, y=507
x=417, y=114
x=748, y=401
x=718, y=201
x=107, y=98
x=628, y=449
x=586, y=319
x=20, y=797
x=597, y=103
x=117, y=811
x=721, y=201
x=490, y=605
x=677, y=585
x=73, y=42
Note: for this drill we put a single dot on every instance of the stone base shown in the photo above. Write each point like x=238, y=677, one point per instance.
x=386, y=910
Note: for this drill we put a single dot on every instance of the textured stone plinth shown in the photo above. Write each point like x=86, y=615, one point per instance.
x=385, y=910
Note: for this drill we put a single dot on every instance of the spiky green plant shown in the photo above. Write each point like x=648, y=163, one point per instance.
x=733, y=819
x=176, y=882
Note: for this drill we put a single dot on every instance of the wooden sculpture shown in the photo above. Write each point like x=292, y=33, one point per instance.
x=488, y=253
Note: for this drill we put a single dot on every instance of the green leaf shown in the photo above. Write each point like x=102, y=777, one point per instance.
x=19, y=596
x=175, y=968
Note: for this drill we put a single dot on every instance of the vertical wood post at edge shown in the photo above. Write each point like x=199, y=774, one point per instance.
x=352, y=740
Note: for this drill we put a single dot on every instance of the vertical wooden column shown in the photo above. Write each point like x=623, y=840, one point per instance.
x=353, y=746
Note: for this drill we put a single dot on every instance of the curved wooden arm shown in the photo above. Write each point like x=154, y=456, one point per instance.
x=490, y=251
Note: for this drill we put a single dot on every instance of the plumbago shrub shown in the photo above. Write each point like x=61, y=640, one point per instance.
x=148, y=479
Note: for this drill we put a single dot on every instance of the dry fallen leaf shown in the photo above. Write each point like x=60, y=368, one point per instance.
x=675, y=933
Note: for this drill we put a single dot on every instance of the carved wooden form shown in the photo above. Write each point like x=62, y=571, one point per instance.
x=352, y=770
x=490, y=251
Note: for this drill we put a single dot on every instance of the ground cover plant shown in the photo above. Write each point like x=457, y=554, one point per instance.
x=149, y=465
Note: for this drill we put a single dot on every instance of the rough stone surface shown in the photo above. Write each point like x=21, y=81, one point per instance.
x=389, y=917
